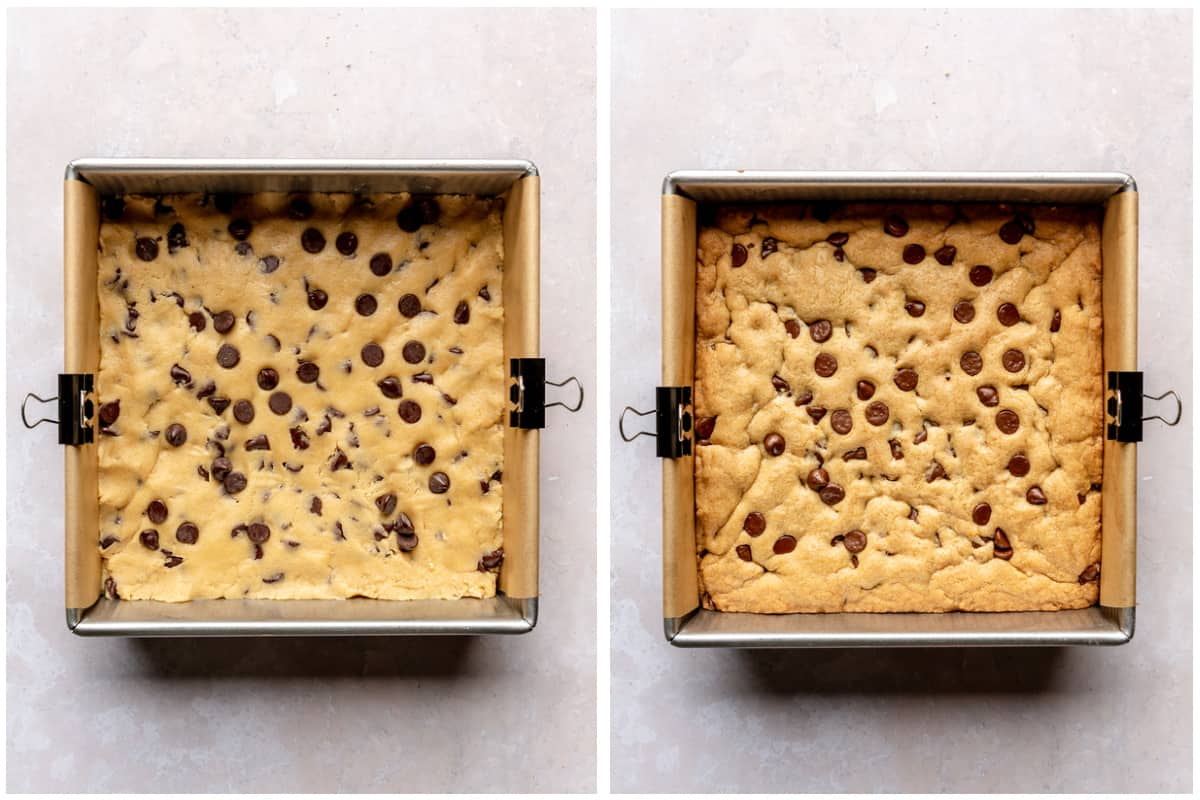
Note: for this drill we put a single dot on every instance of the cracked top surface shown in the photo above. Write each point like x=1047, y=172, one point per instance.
x=898, y=408
x=301, y=396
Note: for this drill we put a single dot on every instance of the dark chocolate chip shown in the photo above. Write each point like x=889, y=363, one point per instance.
x=964, y=312
x=906, y=379
x=149, y=539
x=832, y=494
x=913, y=254
x=816, y=412
x=108, y=541
x=774, y=444
x=381, y=264
x=838, y=238
x=410, y=305
x=312, y=240
x=739, y=255
x=1008, y=315
x=268, y=264
x=259, y=442
x=839, y=254
x=197, y=321
x=176, y=238
x=187, y=533
x=299, y=208
x=868, y=275
x=462, y=313
x=971, y=362
x=317, y=298
x=109, y=412
x=243, y=248
x=308, y=372
x=825, y=365
x=981, y=275
x=857, y=454
x=1056, y=321
x=340, y=461
x=866, y=390
x=1007, y=421
x=1001, y=547
x=439, y=483
x=223, y=321
x=784, y=545
x=744, y=553
x=280, y=403
x=981, y=514
x=228, y=356
x=300, y=439
x=877, y=413
x=1011, y=232
x=413, y=352
x=820, y=331
x=424, y=454
x=491, y=561
x=915, y=308
x=372, y=355
x=423, y=377
x=841, y=421
x=1018, y=465
x=176, y=434
x=855, y=541
x=897, y=450
x=391, y=387
x=895, y=226
x=755, y=523
x=410, y=411
x=1036, y=496
x=921, y=436
x=365, y=304
x=268, y=379
x=792, y=327
x=234, y=482
x=1090, y=573
x=705, y=427
x=243, y=411
x=221, y=467
x=157, y=512
x=240, y=229
x=945, y=255
x=346, y=243
x=386, y=503
x=258, y=532
x=769, y=245
x=113, y=208
x=406, y=541
x=1013, y=360
x=780, y=384
x=180, y=375
x=817, y=479
x=146, y=248
x=988, y=395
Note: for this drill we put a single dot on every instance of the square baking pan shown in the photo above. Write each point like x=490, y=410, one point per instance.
x=1110, y=622
x=513, y=609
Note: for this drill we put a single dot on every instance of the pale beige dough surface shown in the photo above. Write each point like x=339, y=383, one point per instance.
x=940, y=452
x=347, y=545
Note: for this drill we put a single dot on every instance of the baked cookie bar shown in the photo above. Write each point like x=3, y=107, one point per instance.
x=301, y=396
x=899, y=408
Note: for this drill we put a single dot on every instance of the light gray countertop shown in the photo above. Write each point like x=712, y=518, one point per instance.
x=495, y=714
x=904, y=90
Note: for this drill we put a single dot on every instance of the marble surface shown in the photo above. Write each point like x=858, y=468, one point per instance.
x=904, y=90
x=495, y=714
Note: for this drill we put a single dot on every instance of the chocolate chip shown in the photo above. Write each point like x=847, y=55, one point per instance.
x=410, y=305
x=146, y=248
x=1007, y=421
x=280, y=403
x=1011, y=232
x=1013, y=360
x=234, y=482
x=273, y=340
x=317, y=298
x=739, y=255
x=113, y=208
x=228, y=356
x=841, y=421
x=259, y=442
x=820, y=331
x=868, y=274
x=423, y=377
x=971, y=362
x=920, y=436
x=896, y=226
x=243, y=248
x=964, y=312
x=108, y=541
x=769, y=246
x=743, y=552
x=308, y=372
x=157, y=512
x=866, y=390
x=413, y=352
x=176, y=434
x=406, y=541
x=832, y=494
x=936, y=472
x=915, y=308
x=187, y=533
x=906, y=380
x=268, y=264
x=1090, y=573
x=420, y=211
x=1056, y=321
x=207, y=390
x=855, y=541
x=981, y=275
x=1018, y=465
x=913, y=254
x=897, y=450
x=258, y=532
x=462, y=313
x=372, y=355
x=877, y=413
x=838, y=238
x=180, y=375
x=792, y=327
x=1008, y=315
x=300, y=439
x=825, y=365
x=197, y=321
x=784, y=545
x=240, y=229
x=816, y=412
x=381, y=264
x=109, y=412
x=817, y=479
x=346, y=243
x=410, y=411
x=149, y=539
x=299, y=208
x=774, y=444
x=981, y=514
x=176, y=238
x=1036, y=496
x=340, y=461
x=780, y=384
x=988, y=395
x=312, y=240
x=424, y=455
x=223, y=321
x=268, y=379
x=1001, y=547
x=857, y=454
x=391, y=387
x=945, y=255
x=386, y=503
x=705, y=427
x=219, y=404
x=221, y=467
x=439, y=483
x=491, y=561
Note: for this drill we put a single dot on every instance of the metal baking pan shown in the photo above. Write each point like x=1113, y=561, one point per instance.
x=1109, y=622
x=513, y=610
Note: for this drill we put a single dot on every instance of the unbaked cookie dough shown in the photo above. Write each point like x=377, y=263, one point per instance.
x=899, y=408
x=302, y=396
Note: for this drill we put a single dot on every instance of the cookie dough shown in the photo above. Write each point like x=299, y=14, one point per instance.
x=302, y=396
x=899, y=408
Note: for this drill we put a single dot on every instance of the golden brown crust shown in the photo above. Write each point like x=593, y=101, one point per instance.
x=757, y=360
